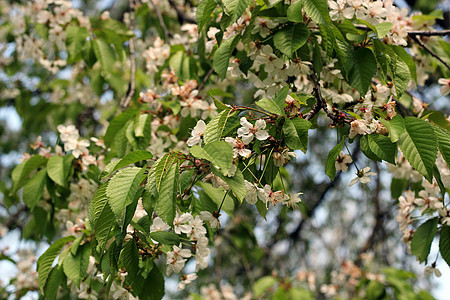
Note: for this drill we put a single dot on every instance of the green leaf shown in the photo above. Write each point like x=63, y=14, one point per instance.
x=422, y=239
x=443, y=138
x=330, y=166
x=401, y=75
x=105, y=54
x=22, y=171
x=263, y=284
x=117, y=124
x=396, y=127
x=129, y=259
x=58, y=168
x=365, y=148
x=216, y=127
x=363, y=69
x=75, y=40
x=406, y=58
x=271, y=106
x=33, y=190
x=236, y=183
x=295, y=133
x=220, y=153
x=163, y=237
x=176, y=62
x=204, y=11
x=216, y=195
x=317, y=58
x=235, y=8
x=294, y=12
x=444, y=243
x=55, y=278
x=140, y=124
x=122, y=188
x=291, y=38
x=317, y=10
x=45, y=261
x=382, y=147
x=130, y=158
x=75, y=267
x=101, y=216
x=375, y=290
x=166, y=202
x=155, y=280
x=419, y=145
x=382, y=29
x=222, y=55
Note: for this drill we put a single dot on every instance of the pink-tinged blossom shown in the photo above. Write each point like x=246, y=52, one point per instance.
x=357, y=127
x=213, y=221
x=445, y=88
x=176, y=259
x=159, y=225
x=239, y=148
x=342, y=162
x=186, y=279
x=179, y=223
x=362, y=176
x=197, y=134
x=339, y=11
x=247, y=132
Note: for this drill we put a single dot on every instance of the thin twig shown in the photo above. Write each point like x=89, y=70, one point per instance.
x=418, y=41
x=429, y=33
x=161, y=21
x=321, y=102
x=126, y=99
x=182, y=18
x=205, y=79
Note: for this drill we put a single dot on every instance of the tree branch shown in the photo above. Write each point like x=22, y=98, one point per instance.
x=413, y=33
x=182, y=18
x=126, y=99
x=418, y=41
x=161, y=21
x=321, y=102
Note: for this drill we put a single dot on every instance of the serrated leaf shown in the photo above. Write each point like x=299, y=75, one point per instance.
x=101, y=216
x=317, y=58
x=58, y=168
x=444, y=243
x=166, y=202
x=105, y=54
x=330, y=166
x=216, y=195
x=407, y=59
x=363, y=69
x=215, y=128
x=130, y=158
x=270, y=106
x=317, y=10
x=422, y=239
x=294, y=12
x=382, y=147
x=382, y=29
x=122, y=188
x=401, y=75
x=236, y=183
x=419, y=145
x=262, y=285
x=235, y=8
x=75, y=40
x=204, y=11
x=75, y=267
x=396, y=127
x=22, y=171
x=365, y=148
x=443, y=139
x=33, y=190
x=222, y=55
x=295, y=133
x=55, y=278
x=291, y=38
x=117, y=124
x=129, y=259
x=155, y=280
x=220, y=153
x=45, y=261
x=140, y=124
x=163, y=237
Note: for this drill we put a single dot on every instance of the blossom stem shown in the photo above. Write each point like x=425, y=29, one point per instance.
x=265, y=164
x=354, y=162
x=223, y=200
x=251, y=108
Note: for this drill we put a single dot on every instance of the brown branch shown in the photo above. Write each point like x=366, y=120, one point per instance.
x=413, y=33
x=161, y=21
x=205, y=79
x=321, y=102
x=182, y=18
x=418, y=41
x=126, y=99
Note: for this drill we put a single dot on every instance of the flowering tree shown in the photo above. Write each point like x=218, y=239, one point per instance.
x=151, y=121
